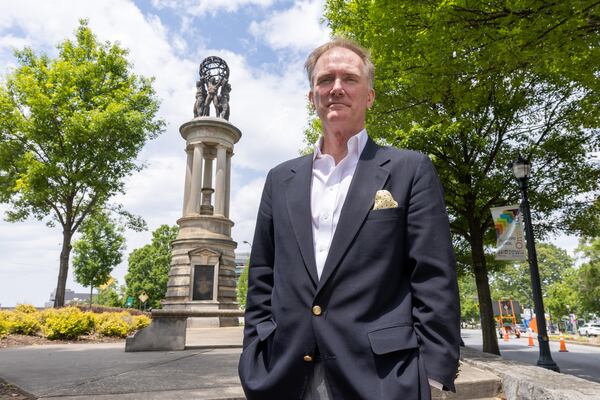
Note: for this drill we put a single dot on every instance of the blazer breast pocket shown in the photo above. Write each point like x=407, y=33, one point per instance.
x=385, y=214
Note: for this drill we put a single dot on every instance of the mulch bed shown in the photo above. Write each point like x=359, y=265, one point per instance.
x=11, y=341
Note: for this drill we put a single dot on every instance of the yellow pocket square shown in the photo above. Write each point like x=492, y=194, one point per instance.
x=383, y=200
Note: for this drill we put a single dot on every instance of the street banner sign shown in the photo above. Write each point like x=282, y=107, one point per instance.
x=510, y=239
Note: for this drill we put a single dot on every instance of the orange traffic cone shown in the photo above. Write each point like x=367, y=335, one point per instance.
x=506, y=335
x=563, y=346
x=530, y=340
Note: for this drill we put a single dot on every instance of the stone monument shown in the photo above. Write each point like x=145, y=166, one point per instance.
x=201, y=287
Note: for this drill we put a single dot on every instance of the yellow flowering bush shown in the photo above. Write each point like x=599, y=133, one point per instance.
x=67, y=323
x=139, y=322
x=24, y=320
x=26, y=309
x=4, y=323
x=112, y=324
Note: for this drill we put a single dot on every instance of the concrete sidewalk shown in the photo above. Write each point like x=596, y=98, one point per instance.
x=105, y=371
x=206, y=370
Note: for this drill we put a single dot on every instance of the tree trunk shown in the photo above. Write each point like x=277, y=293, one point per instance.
x=59, y=298
x=91, y=294
x=486, y=312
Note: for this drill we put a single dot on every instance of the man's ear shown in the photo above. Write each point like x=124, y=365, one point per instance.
x=311, y=99
x=370, y=98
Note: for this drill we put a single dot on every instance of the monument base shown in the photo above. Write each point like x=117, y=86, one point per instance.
x=163, y=334
x=168, y=328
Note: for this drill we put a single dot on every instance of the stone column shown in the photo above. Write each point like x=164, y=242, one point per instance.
x=188, y=181
x=196, y=180
x=207, y=189
x=228, y=183
x=221, y=175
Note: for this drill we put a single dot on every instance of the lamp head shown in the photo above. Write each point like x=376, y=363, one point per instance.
x=521, y=168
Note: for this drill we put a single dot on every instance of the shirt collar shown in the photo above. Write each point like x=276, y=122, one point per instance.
x=355, y=145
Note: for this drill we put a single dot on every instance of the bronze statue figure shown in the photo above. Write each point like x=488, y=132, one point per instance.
x=200, y=98
x=224, y=100
x=213, y=87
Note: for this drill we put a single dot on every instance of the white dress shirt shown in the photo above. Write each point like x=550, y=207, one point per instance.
x=329, y=187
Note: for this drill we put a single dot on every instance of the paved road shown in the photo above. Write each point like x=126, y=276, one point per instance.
x=582, y=361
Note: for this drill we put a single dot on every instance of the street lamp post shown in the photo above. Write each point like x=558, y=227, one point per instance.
x=522, y=169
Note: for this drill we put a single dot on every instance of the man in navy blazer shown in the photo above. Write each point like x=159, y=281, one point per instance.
x=377, y=315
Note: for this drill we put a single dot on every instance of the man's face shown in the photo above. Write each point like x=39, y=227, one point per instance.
x=341, y=94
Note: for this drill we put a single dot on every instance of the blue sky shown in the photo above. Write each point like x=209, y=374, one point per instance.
x=264, y=42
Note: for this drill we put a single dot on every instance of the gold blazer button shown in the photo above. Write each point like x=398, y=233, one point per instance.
x=308, y=358
x=316, y=310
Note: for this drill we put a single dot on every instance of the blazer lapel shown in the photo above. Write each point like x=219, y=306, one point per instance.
x=369, y=177
x=297, y=192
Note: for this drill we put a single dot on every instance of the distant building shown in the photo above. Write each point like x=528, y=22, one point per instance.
x=241, y=260
x=70, y=297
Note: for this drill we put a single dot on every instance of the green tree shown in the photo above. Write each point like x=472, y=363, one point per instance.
x=109, y=294
x=472, y=84
x=469, y=307
x=242, y=287
x=562, y=297
x=149, y=267
x=70, y=131
x=98, y=251
x=514, y=280
x=588, y=276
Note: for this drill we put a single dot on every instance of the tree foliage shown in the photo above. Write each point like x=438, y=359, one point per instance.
x=588, y=277
x=149, y=267
x=469, y=306
x=241, y=288
x=514, y=280
x=474, y=83
x=70, y=131
x=558, y=280
x=98, y=251
x=110, y=294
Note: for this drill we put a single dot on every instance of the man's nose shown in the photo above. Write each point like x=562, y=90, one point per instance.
x=337, y=88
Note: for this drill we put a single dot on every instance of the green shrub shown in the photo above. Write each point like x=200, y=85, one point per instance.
x=24, y=323
x=112, y=324
x=66, y=323
x=4, y=323
x=139, y=322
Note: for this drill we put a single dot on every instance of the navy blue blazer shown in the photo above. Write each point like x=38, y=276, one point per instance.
x=388, y=309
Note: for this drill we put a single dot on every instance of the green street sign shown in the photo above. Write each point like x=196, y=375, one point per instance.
x=129, y=302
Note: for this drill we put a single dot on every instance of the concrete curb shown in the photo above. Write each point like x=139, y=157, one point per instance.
x=571, y=341
x=213, y=346
x=524, y=382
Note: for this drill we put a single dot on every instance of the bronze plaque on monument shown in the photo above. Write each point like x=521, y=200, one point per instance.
x=204, y=276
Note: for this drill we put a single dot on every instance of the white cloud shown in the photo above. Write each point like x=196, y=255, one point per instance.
x=244, y=207
x=13, y=42
x=298, y=27
x=201, y=7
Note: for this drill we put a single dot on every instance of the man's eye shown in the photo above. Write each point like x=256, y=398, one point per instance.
x=324, y=80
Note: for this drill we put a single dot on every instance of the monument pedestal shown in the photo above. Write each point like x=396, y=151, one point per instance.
x=202, y=281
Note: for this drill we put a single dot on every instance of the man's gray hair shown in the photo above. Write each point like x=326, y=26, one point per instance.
x=363, y=53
